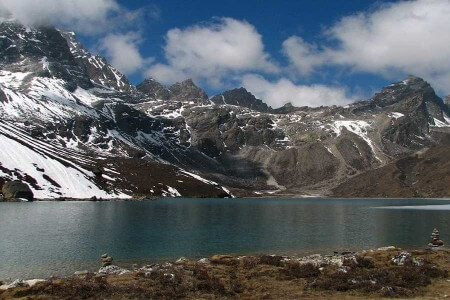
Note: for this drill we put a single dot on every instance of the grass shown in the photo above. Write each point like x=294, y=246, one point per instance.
x=369, y=275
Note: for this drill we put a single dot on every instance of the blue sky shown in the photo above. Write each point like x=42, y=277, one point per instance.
x=274, y=20
x=313, y=53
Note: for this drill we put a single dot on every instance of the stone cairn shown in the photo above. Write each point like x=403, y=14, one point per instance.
x=435, y=239
x=106, y=260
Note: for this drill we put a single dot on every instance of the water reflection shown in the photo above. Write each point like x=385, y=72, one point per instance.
x=42, y=239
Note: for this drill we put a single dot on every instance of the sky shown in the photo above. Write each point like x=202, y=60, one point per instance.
x=321, y=52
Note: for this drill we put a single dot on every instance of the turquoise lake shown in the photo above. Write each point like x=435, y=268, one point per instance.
x=42, y=239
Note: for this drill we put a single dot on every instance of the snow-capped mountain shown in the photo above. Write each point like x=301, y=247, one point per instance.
x=71, y=125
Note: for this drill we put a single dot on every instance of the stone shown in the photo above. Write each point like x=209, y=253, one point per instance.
x=203, y=260
x=33, y=282
x=112, y=270
x=435, y=239
x=14, y=284
x=81, y=273
x=387, y=248
x=17, y=190
x=406, y=258
x=106, y=260
x=181, y=260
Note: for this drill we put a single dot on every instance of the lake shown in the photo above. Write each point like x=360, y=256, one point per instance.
x=42, y=239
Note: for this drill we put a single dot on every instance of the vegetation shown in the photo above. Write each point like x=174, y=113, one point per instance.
x=366, y=275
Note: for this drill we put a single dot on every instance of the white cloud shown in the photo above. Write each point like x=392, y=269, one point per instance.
x=123, y=53
x=303, y=56
x=166, y=74
x=213, y=52
x=88, y=16
x=407, y=37
x=283, y=91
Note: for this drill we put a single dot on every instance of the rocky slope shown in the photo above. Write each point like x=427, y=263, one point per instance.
x=71, y=125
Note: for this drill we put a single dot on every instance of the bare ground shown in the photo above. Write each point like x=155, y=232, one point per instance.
x=369, y=274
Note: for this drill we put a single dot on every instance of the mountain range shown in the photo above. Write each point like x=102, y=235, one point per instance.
x=73, y=126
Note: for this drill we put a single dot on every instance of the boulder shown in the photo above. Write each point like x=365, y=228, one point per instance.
x=106, y=260
x=82, y=273
x=17, y=189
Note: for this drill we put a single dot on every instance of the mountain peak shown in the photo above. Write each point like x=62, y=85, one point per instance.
x=97, y=67
x=188, y=81
x=447, y=100
x=403, y=90
x=241, y=97
x=154, y=89
x=187, y=90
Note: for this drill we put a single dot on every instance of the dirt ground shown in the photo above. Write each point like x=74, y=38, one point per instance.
x=364, y=275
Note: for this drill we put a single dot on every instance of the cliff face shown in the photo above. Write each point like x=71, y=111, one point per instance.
x=82, y=129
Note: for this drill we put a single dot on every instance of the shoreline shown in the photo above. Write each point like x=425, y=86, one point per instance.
x=152, y=198
x=276, y=270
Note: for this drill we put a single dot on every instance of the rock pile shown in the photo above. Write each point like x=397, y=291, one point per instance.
x=435, y=239
x=106, y=260
x=112, y=270
x=406, y=258
x=21, y=283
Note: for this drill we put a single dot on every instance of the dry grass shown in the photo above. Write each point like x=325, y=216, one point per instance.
x=369, y=275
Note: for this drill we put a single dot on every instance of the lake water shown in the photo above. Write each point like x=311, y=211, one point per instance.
x=41, y=239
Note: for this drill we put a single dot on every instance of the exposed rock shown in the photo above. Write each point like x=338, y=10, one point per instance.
x=94, y=116
x=203, y=260
x=21, y=283
x=97, y=171
x=435, y=239
x=154, y=89
x=241, y=97
x=387, y=248
x=181, y=260
x=447, y=101
x=187, y=91
x=96, y=67
x=404, y=258
x=287, y=109
x=17, y=190
x=81, y=273
x=112, y=270
x=106, y=260
x=14, y=284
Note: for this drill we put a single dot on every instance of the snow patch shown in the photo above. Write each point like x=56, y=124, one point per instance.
x=358, y=127
x=438, y=123
x=396, y=115
x=171, y=192
x=74, y=182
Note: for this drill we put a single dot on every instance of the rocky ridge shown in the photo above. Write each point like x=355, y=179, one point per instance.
x=242, y=98
x=66, y=109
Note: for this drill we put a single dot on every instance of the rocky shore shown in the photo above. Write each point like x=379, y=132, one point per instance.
x=384, y=272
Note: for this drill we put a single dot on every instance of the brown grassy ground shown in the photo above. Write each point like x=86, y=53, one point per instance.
x=371, y=275
x=420, y=175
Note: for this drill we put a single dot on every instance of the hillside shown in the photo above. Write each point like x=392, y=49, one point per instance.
x=71, y=125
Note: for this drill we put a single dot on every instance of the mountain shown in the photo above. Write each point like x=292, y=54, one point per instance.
x=71, y=125
x=185, y=91
x=241, y=97
x=68, y=127
x=447, y=101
